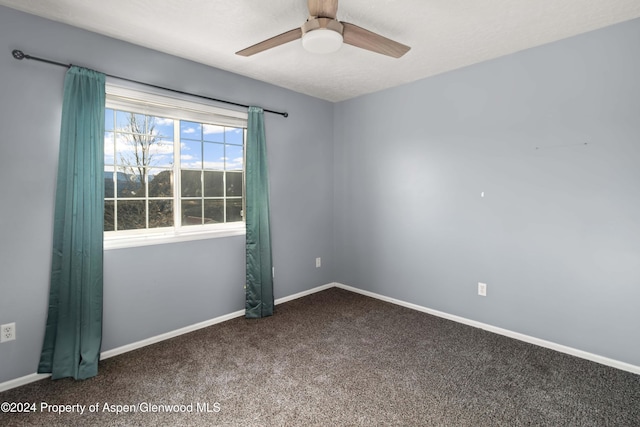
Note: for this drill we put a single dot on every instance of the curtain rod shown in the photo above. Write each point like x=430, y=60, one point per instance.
x=20, y=55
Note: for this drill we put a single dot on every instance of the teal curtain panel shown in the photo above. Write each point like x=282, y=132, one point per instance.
x=73, y=332
x=259, y=286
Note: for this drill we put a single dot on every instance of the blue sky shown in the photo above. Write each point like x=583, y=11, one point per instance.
x=213, y=146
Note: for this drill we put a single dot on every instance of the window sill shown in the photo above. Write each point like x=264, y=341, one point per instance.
x=147, y=239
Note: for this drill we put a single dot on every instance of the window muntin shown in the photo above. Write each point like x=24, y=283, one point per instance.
x=171, y=173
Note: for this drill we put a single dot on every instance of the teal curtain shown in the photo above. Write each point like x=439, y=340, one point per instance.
x=259, y=292
x=73, y=332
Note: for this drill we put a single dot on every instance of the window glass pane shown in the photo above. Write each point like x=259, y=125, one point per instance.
x=160, y=213
x=213, y=184
x=213, y=133
x=190, y=184
x=121, y=142
x=108, y=119
x=213, y=156
x=109, y=147
x=130, y=182
x=234, y=210
x=191, y=154
x=190, y=130
x=160, y=152
x=234, y=158
x=191, y=212
x=108, y=182
x=130, y=122
x=213, y=211
x=134, y=150
x=234, y=183
x=131, y=214
x=160, y=183
x=109, y=224
x=234, y=136
x=160, y=126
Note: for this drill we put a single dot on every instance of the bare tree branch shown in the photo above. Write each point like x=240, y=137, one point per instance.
x=142, y=138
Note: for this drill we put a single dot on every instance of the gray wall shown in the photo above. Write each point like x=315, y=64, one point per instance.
x=154, y=289
x=557, y=235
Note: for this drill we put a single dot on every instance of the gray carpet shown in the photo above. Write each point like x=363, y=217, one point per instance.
x=339, y=358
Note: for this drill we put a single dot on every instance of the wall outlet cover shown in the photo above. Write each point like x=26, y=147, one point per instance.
x=482, y=289
x=7, y=332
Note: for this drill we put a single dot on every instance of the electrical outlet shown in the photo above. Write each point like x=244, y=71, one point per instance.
x=8, y=332
x=482, y=289
x=318, y=262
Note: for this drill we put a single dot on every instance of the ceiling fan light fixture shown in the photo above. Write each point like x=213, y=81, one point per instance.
x=323, y=33
x=322, y=40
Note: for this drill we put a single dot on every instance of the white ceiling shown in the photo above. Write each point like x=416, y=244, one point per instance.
x=443, y=34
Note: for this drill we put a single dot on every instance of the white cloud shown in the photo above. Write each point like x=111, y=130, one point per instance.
x=214, y=165
x=163, y=122
x=212, y=129
x=108, y=147
x=161, y=152
x=234, y=164
x=189, y=130
x=125, y=144
x=164, y=147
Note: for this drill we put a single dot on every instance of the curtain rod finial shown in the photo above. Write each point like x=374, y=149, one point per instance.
x=18, y=54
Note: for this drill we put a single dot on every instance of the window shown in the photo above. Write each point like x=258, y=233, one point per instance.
x=173, y=169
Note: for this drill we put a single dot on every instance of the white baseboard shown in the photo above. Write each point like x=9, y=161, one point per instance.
x=152, y=340
x=511, y=334
x=7, y=385
x=305, y=293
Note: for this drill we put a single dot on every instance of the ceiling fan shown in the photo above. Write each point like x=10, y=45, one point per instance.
x=323, y=33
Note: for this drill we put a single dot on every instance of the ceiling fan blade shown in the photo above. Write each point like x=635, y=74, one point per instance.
x=323, y=8
x=283, y=38
x=365, y=39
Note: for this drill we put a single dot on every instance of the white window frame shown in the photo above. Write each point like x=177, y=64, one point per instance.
x=152, y=104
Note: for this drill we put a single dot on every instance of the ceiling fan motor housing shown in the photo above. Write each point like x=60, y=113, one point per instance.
x=322, y=35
